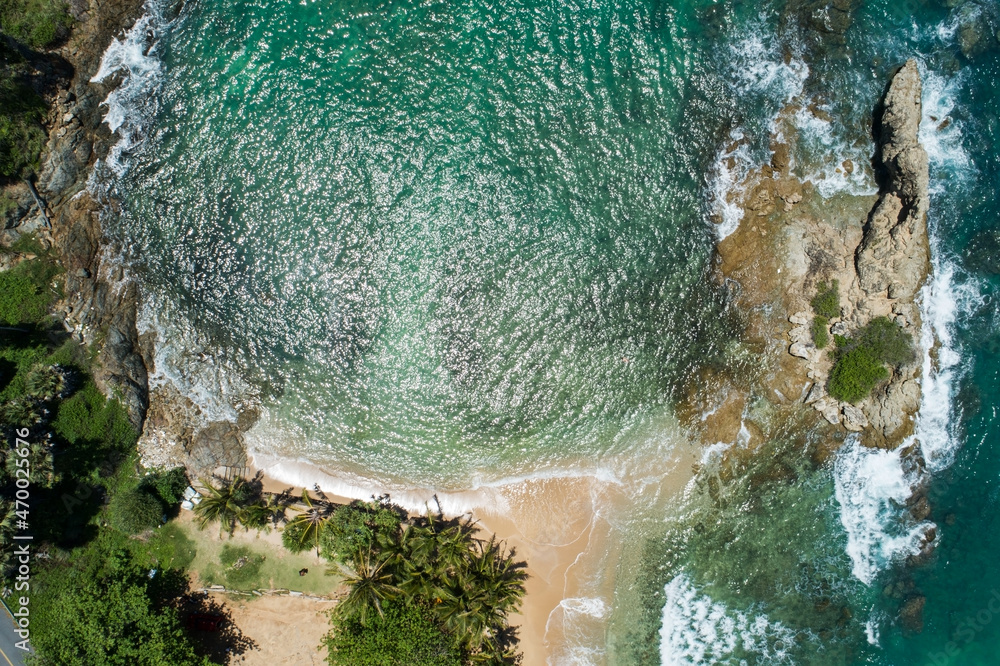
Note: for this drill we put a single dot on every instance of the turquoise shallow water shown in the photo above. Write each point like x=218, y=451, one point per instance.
x=440, y=242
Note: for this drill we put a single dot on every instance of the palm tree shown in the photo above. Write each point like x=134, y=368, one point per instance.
x=267, y=512
x=371, y=585
x=308, y=525
x=41, y=466
x=227, y=504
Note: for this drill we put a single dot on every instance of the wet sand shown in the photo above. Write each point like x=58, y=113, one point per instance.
x=559, y=526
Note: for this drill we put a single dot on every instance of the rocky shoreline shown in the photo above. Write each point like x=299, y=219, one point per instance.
x=789, y=243
x=100, y=308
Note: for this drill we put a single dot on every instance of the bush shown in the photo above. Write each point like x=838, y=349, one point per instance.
x=820, y=333
x=36, y=23
x=25, y=293
x=242, y=565
x=887, y=342
x=167, y=486
x=402, y=635
x=826, y=302
x=859, y=365
x=356, y=528
x=22, y=137
x=133, y=511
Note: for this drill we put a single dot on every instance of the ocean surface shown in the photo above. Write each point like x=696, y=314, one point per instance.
x=462, y=246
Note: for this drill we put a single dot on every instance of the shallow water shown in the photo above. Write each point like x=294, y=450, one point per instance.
x=450, y=247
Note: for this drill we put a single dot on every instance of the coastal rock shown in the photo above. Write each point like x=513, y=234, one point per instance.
x=216, y=445
x=911, y=614
x=103, y=311
x=854, y=419
x=829, y=408
x=894, y=248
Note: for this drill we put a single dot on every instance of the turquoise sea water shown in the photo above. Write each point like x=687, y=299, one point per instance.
x=437, y=244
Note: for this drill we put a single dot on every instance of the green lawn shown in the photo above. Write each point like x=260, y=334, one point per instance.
x=202, y=552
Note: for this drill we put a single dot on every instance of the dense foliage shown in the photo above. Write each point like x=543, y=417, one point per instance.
x=36, y=23
x=99, y=597
x=25, y=292
x=464, y=585
x=24, y=25
x=135, y=510
x=860, y=363
x=357, y=528
x=106, y=607
x=403, y=634
x=826, y=302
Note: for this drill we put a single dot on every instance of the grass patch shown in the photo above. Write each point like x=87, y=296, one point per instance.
x=241, y=566
x=26, y=292
x=826, y=302
x=171, y=548
x=820, y=331
x=280, y=569
x=36, y=23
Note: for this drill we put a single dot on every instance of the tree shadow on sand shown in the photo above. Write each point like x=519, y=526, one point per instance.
x=222, y=644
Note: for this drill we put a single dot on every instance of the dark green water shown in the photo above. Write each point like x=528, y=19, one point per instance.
x=445, y=245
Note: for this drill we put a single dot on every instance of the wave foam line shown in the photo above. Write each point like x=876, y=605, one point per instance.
x=871, y=487
x=134, y=103
x=485, y=497
x=698, y=630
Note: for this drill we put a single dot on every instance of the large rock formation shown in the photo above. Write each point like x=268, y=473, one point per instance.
x=893, y=257
x=792, y=239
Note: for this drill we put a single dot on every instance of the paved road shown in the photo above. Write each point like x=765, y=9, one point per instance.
x=9, y=655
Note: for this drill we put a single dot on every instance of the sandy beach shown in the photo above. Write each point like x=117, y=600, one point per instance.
x=558, y=526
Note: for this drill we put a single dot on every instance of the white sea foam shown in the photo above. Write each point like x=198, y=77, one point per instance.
x=731, y=168
x=485, y=496
x=759, y=69
x=698, y=630
x=827, y=154
x=871, y=488
x=134, y=103
x=941, y=301
x=941, y=132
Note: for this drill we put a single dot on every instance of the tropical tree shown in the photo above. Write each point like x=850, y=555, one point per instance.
x=371, y=585
x=267, y=512
x=40, y=465
x=304, y=530
x=226, y=503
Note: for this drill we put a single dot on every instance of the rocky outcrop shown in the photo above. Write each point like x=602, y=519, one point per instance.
x=100, y=306
x=893, y=257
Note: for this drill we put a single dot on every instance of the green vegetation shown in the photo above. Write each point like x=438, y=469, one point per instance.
x=100, y=597
x=36, y=23
x=26, y=292
x=134, y=511
x=242, y=565
x=304, y=531
x=820, y=331
x=826, y=306
x=443, y=573
x=105, y=607
x=826, y=302
x=402, y=634
x=21, y=134
x=29, y=24
x=860, y=361
x=358, y=528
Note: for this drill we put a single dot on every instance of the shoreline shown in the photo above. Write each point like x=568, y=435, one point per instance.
x=557, y=526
